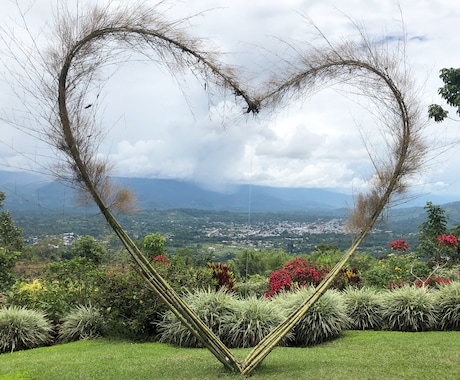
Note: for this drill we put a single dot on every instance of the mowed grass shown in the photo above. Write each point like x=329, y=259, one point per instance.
x=358, y=355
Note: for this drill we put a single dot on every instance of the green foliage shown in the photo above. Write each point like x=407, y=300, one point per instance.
x=64, y=285
x=11, y=246
x=21, y=328
x=395, y=270
x=250, y=321
x=325, y=320
x=409, y=308
x=434, y=226
x=213, y=308
x=256, y=285
x=448, y=306
x=325, y=254
x=8, y=260
x=153, y=245
x=51, y=298
x=82, y=322
x=88, y=248
x=128, y=306
x=249, y=262
x=450, y=92
x=364, y=307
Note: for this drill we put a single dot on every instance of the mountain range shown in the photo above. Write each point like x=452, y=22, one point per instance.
x=26, y=191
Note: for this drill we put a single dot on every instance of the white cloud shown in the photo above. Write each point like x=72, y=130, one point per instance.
x=161, y=129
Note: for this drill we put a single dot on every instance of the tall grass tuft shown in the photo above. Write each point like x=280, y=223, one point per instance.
x=364, y=307
x=409, y=308
x=83, y=322
x=21, y=328
x=210, y=305
x=252, y=319
x=448, y=306
x=325, y=320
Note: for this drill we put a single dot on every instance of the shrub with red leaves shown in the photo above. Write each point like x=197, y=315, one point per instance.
x=278, y=281
x=298, y=271
x=223, y=275
x=431, y=281
x=399, y=245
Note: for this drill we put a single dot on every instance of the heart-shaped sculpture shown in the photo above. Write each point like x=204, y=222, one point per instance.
x=88, y=41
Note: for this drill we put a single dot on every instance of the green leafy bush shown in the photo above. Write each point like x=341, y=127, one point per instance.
x=325, y=320
x=409, y=308
x=448, y=306
x=83, y=322
x=250, y=321
x=364, y=307
x=52, y=298
x=63, y=286
x=21, y=328
x=395, y=270
x=213, y=307
x=129, y=307
x=255, y=286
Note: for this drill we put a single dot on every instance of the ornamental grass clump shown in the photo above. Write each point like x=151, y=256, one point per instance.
x=253, y=318
x=21, y=328
x=364, y=307
x=83, y=322
x=211, y=306
x=409, y=308
x=325, y=320
x=447, y=300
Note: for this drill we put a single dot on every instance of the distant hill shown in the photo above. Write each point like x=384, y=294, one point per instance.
x=32, y=193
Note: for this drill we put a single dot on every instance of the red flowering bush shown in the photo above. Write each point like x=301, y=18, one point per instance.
x=279, y=280
x=223, y=275
x=449, y=241
x=399, y=245
x=298, y=271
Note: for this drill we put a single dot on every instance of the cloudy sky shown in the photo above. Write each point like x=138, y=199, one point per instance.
x=161, y=129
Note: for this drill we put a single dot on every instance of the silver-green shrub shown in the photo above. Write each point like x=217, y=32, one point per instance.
x=252, y=319
x=409, y=308
x=82, y=322
x=447, y=300
x=325, y=320
x=21, y=328
x=210, y=305
x=364, y=307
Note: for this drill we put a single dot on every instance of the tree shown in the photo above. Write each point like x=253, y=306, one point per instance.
x=434, y=226
x=153, y=245
x=450, y=92
x=88, y=248
x=11, y=246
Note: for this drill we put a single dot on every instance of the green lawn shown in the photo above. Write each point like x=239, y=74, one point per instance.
x=358, y=355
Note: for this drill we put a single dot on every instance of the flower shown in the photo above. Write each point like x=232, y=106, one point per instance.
x=449, y=241
x=399, y=245
x=161, y=258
